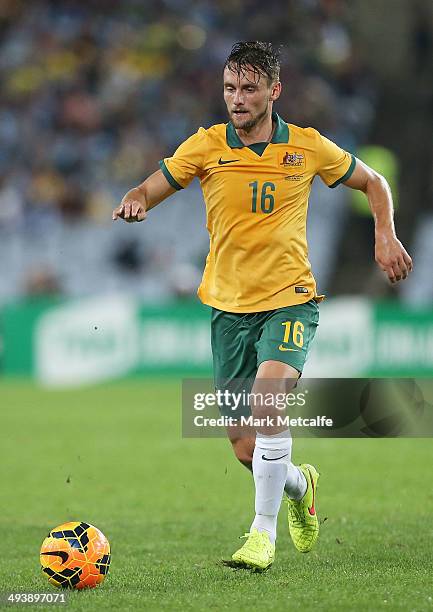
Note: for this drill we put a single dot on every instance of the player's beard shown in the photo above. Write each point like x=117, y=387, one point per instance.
x=250, y=123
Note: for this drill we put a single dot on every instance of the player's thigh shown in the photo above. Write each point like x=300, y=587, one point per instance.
x=287, y=336
x=271, y=369
x=233, y=346
x=233, y=340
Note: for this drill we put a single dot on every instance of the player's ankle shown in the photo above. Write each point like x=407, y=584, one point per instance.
x=267, y=524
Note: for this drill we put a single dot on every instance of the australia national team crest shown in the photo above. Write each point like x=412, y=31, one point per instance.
x=293, y=159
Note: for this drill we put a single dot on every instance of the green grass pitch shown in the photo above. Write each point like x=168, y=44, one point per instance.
x=172, y=508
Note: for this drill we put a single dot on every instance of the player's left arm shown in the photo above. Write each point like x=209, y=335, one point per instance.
x=390, y=254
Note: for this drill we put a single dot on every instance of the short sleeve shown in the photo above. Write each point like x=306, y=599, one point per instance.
x=334, y=165
x=187, y=161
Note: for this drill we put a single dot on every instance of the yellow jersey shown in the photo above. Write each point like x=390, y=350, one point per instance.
x=256, y=200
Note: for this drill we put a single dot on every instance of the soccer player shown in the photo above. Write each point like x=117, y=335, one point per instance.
x=256, y=173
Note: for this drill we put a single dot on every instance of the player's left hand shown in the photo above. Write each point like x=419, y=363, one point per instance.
x=392, y=257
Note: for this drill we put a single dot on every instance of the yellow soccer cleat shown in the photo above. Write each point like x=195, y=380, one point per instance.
x=258, y=552
x=303, y=522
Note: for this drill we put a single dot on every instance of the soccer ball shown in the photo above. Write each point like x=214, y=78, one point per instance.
x=75, y=556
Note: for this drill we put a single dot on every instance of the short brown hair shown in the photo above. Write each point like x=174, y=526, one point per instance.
x=262, y=57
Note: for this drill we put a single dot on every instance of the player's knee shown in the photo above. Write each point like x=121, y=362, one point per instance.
x=243, y=449
x=274, y=379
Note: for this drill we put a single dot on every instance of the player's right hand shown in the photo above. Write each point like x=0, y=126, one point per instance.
x=130, y=210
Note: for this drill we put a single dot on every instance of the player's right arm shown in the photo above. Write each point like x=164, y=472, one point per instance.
x=137, y=201
x=176, y=173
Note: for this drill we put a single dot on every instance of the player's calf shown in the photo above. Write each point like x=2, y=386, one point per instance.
x=243, y=449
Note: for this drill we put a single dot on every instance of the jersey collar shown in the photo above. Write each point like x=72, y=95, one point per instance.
x=281, y=133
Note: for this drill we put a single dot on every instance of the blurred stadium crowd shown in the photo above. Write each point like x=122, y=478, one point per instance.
x=94, y=93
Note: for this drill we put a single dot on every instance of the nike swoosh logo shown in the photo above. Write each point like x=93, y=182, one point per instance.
x=312, y=509
x=58, y=553
x=276, y=458
x=221, y=162
x=284, y=348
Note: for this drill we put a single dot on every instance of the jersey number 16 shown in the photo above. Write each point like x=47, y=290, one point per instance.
x=267, y=199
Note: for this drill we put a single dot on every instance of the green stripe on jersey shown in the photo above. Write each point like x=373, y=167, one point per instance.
x=346, y=176
x=168, y=176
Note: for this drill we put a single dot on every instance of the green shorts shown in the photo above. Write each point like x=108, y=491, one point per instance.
x=241, y=342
